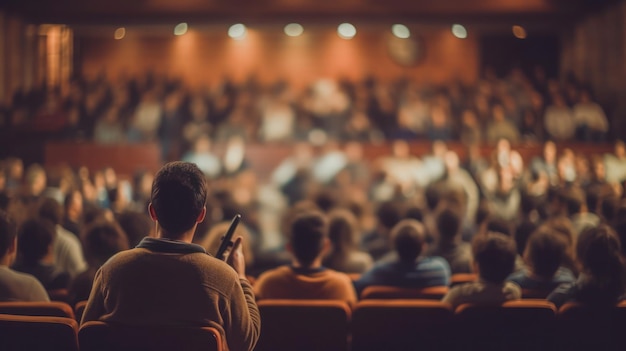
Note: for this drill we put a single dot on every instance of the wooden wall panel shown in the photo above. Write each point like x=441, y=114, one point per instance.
x=201, y=57
x=595, y=51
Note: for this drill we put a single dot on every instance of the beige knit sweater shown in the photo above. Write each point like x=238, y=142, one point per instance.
x=143, y=287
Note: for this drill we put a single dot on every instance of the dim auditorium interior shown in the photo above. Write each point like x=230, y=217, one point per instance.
x=472, y=119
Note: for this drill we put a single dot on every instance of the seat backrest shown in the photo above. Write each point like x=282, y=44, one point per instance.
x=535, y=293
x=585, y=327
x=514, y=325
x=50, y=309
x=102, y=336
x=79, y=309
x=354, y=276
x=392, y=292
x=304, y=325
x=38, y=333
x=59, y=295
x=462, y=278
x=401, y=325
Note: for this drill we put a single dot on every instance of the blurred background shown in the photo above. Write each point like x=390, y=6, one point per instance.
x=341, y=103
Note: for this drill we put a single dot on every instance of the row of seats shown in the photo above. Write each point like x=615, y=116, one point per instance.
x=45, y=333
x=432, y=325
x=332, y=325
x=53, y=326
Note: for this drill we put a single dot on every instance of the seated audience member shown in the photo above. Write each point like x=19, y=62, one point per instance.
x=136, y=226
x=544, y=256
x=306, y=278
x=449, y=244
x=101, y=241
x=564, y=228
x=575, y=203
x=168, y=281
x=36, y=257
x=601, y=281
x=109, y=129
x=378, y=243
x=201, y=155
x=559, y=121
x=590, y=119
x=500, y=127
x=68, y=253
x=73, y=214
x=408, y=270
x=15, y=286
x=344, y=256
x=34, y=185
x=494, y=260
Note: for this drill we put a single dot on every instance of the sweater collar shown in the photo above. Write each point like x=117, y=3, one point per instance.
x=164, y=245
x=306, y=271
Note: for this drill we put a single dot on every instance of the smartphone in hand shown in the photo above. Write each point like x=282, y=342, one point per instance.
x=227, y=239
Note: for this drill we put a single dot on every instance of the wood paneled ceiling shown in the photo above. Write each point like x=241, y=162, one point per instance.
x=160, y=11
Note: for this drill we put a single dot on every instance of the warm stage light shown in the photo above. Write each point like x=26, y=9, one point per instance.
x=459, y=31
x=401, y=31
x=120, y=33
x=181, y=29
x=346, y=31
x=294, y=29
x=519, y=32
x=237, y=31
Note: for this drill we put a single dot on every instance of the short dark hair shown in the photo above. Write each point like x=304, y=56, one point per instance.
x=308, y=232
x=389, y=213
x=136, y=226
x=599, y=252
x=179, y=193
x=495, y=254
x=8, y=232
x=342, y=229
x=408, y=238
x=51, y=210
x=545, y=252
x=102, y=240
x=35, y=238
x=448, y=224
x=523, y=231
x=498, y=225
x=574, y=198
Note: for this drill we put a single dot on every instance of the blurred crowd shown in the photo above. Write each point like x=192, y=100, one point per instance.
x=368, y=199
x=72, y=219
x=519, y=107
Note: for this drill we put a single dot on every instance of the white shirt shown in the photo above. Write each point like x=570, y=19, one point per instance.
x=591, y=115
x=68, y=253
x=559, y=122
x=17, y=286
